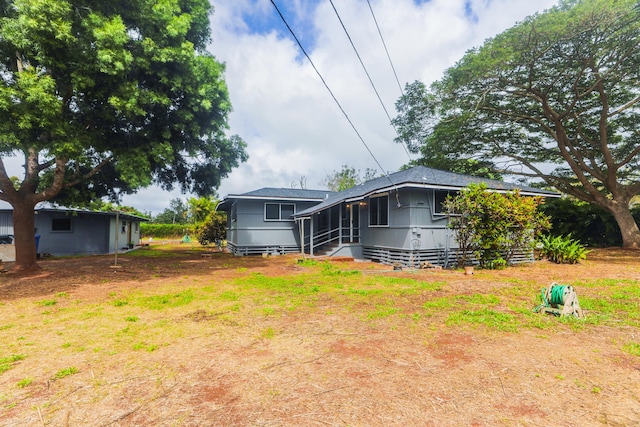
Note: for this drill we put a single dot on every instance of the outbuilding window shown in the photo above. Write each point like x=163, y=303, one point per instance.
x=61, y=224
x=279, y=211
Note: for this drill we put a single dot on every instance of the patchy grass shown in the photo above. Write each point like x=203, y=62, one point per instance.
x=140, y=329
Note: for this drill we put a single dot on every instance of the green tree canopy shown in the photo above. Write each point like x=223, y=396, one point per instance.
x=176, y=213
x=102, y=98
x=201, y=208
x=347, y=177
x=555, y=98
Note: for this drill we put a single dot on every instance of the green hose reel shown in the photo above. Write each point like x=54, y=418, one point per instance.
x=560, y=300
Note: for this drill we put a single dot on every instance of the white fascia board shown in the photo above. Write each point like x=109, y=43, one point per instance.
x=297, y=199
x=456, y=188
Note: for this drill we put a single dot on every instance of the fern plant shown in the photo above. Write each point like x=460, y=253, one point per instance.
x=562, y=249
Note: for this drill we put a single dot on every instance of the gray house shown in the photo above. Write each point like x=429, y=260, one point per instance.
x=261, y=221
x=76, y=232
x=397, y=218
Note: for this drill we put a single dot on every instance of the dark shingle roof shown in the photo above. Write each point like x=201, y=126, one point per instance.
x=420, y=176
x=269, y=193
x=285, y=193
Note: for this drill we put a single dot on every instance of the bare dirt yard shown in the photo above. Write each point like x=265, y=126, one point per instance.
x=178, y=336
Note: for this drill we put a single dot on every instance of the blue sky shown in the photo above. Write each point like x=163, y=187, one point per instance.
x=294, y=130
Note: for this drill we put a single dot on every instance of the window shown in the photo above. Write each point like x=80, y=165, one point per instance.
x=61, y=224
x=379, y=211
x=440, y=197
x=234, y=212
x=278, y=211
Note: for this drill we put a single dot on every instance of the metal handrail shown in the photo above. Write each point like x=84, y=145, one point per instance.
x=327, y=236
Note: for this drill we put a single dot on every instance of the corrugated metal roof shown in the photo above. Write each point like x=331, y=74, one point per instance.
x=72, y=211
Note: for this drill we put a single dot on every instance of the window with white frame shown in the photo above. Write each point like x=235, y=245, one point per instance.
x=379, y=211
x=279, y=211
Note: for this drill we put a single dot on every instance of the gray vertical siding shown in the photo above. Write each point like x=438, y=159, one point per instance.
x=90, y=233
x=254, y=233
x=87, y=235
x=6, y=223
x=412, y=226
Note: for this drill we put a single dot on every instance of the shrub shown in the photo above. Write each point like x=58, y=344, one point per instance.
x=493, y=226
x=165, y=231
x=562, y=249
x=213, y=230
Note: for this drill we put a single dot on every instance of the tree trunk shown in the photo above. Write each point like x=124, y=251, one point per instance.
x=628, y=226
x=23, y=230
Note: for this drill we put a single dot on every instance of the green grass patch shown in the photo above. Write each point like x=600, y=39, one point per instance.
x=437, y=304
x=159, y=302
x=48, y=302
x=480, y=299
x=632, y=348
x=62, y=373
x=486, y=317
x=7, y=363
x=24, y=382
x=268, y=333
x=382, y=312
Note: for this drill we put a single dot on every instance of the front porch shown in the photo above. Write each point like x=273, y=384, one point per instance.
x=334, y=231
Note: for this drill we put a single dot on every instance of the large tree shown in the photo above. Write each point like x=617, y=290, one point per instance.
x=102, y=98
x=556, y=97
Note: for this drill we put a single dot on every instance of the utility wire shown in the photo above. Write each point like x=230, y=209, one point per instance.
x=367, y=73
x=385, y=48
x=330, y=91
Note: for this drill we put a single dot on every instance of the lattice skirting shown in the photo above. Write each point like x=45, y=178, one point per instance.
x=415, y=258
x=259, y=250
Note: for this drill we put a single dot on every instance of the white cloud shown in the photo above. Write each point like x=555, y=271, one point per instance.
x=282, y=110
x=292, y=126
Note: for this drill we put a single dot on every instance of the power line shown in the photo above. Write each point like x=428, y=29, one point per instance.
x=330, y=91
x=385, y=48
x=367, y=72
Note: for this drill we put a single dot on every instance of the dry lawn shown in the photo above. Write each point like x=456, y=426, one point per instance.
x=173, y=338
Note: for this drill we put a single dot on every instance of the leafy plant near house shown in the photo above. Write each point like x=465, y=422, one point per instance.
x=491, y=226
x=213, y=229
x=562, y=249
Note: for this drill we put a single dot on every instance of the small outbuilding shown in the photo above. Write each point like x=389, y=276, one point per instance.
x=64, y=232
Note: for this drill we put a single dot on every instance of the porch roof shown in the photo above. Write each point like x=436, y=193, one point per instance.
x=419, y=177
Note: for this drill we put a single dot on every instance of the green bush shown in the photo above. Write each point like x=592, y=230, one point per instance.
x=213, y=229
x=493, y=226
x=591, y=225
x=166, y=231
x=562, y=249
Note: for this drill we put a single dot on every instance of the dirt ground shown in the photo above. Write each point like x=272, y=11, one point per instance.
x=326, y=366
